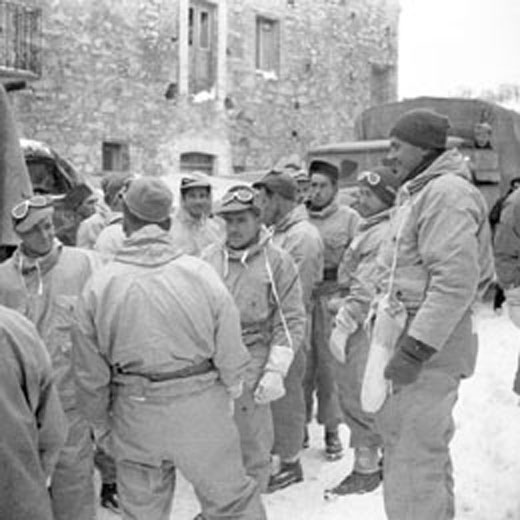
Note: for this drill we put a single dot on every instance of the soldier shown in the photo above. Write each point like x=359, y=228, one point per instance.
x=192, y=227
x=279, y=203
x=43, y=280
x=337, y=225
x=349, y=342
x=265, y=285
x=159, y=359
x=34, y=427
x=441, y=242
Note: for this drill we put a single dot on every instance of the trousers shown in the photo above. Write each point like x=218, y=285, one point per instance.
x=289, y=414
x=319, y=373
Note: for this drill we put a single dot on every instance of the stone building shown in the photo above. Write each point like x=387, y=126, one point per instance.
x=155, y=86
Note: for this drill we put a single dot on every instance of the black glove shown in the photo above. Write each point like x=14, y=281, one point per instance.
x=406, y=363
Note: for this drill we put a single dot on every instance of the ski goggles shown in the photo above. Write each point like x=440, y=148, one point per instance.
x=372, y=178
x=21, y=210
x=241, y=195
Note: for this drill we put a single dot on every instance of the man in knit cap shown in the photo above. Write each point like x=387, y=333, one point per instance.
x=337, y=225
x=159, y=359
x=440, y=238
x=293, y=232
x=349, y=341
x=43, y=280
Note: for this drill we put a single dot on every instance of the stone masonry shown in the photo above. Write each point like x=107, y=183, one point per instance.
x=108, y=64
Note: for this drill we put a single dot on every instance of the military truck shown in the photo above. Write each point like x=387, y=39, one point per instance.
x=487, y=134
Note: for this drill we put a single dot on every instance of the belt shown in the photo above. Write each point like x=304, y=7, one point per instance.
x=330, y=274
x=194, y=370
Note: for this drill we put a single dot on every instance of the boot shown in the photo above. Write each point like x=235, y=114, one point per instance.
x=333, y=446
x=109, y=498
x=356, y=483
x=290, y=473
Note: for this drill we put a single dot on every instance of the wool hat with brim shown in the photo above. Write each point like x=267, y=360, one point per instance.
x=279, y=182
x=324, y=168
x=236, y=200
x=33, y=217
x=195, y=180
x=423, y=128
x=382, y=181
x=149, y=199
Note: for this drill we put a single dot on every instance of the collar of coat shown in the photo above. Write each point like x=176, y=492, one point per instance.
x=183, y=216
x=243, y=255
x=42, y=264
x=373, y=220
x=325, y=212
x=297, y=214
x=451, y=162
x=149, y=246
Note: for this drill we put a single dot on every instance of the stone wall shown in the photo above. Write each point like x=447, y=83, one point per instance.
x=107, y=66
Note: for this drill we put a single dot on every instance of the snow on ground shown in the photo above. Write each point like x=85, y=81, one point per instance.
x=486, y=449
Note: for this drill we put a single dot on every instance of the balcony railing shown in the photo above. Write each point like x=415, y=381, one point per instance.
x=20, y=40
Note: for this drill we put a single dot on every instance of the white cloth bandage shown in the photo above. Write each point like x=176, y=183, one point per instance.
x=235, y=391
x=270, y=388
x=279, y=360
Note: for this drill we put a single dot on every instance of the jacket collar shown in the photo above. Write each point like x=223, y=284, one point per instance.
x=325, y=212
x=451, y=162
x=375, y=219
x=42, y=264
x=149, y=246
x=297, y=214
x=243, y=255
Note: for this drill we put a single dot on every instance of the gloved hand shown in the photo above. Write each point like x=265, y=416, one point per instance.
x=337, y=343
x=270, y=388
x=406, y=363
x=235, y=391
x=334, y=304
x=344, y=326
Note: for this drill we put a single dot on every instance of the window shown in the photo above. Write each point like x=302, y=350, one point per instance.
x=115, y=156
x=267, y=44
x=195, y=161
x=380, y=84
x=204, y=35
x=202, y=45
x=20, y=37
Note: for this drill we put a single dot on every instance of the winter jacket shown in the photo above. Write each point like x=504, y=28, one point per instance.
x=296, y=235
x=337, y=225
x=46, y=291
x=150, y=312
x=358, y=268
x=507, y=243
x=111, y=238
x=192, y=236
x=89, y=230
x=249, y=276
x=444, y=255
x=33, y=424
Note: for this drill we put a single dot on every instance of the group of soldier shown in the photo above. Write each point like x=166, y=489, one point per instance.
x=198, y=341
